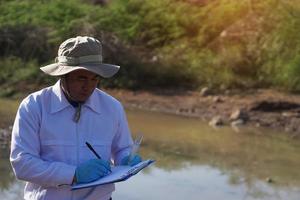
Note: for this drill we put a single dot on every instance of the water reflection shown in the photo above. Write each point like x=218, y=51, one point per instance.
x=197, y=182
x=195, y=161
x=7, y=178
x=251, y=153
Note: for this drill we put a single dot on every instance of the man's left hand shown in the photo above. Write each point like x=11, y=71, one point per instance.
x=133, y=161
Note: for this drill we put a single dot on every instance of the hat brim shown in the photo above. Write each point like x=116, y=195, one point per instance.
x=102, y=69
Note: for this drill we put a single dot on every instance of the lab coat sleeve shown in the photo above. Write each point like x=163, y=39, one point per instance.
x=25, y=151
x=122, y=141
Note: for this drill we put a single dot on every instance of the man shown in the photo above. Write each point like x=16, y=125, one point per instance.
x=48, y=148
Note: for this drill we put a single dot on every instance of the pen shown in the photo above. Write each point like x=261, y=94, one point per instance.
x=92, y=149
x=135, y=147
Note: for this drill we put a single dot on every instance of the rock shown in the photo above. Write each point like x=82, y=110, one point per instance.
x=227, y=92
x=290, y=114
x=217, y=99
x=238, y=122
x=269, y=180
x=216, y=121
x=204, y=91
x=274, y=106
x=183, y=110
x=193, y=110
x=4, y=133
x=154, y=59
x=239, y=114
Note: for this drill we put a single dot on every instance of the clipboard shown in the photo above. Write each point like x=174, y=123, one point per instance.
x=118, y=174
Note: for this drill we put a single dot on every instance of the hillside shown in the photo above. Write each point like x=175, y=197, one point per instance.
x=186, y=44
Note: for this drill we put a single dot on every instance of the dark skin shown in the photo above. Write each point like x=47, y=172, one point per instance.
x=80, y=84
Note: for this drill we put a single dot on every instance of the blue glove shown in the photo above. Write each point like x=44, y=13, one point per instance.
x=92, y=170
x=135, y=160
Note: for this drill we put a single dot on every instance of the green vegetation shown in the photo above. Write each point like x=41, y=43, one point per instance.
x=159, y=43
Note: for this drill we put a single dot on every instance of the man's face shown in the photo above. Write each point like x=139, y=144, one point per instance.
x=81, y=84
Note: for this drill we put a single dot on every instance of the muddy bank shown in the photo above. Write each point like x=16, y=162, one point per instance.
x=265, y=108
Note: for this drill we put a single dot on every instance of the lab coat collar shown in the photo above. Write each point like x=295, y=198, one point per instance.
x=93, y=102
x=59, y=101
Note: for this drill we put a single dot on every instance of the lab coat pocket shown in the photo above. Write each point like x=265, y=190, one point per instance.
x=58, y=150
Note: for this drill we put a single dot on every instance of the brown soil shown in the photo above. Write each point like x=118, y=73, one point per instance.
x=265, y=108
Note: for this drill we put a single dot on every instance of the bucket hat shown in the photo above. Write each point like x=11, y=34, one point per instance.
x=81, y=52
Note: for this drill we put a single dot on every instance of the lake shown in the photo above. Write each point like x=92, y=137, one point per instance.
x=195, y=161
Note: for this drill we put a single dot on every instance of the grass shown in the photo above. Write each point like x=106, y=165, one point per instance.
x=224, y=44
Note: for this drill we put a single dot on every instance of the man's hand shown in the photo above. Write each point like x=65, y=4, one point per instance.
x=135, y=160
x=91, y=170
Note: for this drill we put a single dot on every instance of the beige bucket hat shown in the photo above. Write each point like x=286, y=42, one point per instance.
x=81, y=52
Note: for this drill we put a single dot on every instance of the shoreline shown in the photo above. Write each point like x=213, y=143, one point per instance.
x=259, y=108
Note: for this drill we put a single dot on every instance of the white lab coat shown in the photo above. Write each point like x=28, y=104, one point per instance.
x=47, y=144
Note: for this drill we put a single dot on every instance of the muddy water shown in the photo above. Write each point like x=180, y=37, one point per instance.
x=195, y=161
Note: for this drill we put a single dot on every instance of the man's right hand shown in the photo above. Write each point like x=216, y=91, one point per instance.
x=92, y=170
